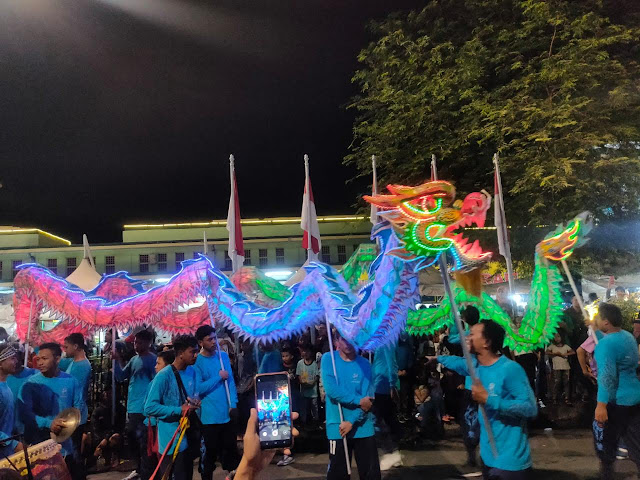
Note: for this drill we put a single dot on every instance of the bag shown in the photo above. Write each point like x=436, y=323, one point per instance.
x=153, y=449
x=193, y=434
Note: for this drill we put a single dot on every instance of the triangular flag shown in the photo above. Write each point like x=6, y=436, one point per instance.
x=309, y=220
x=234, y=226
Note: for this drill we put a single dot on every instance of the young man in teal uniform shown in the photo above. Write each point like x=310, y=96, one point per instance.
x=166, y=401
x=46, y=394
x=354, y=391
x=8, y=365
x=617, y=413
x=217, y=429
x=140, y=372
x=503, y=388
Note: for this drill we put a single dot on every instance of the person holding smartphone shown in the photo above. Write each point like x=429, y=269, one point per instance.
x=354, y=391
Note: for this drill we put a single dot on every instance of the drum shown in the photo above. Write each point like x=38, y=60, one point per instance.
x=46, y=462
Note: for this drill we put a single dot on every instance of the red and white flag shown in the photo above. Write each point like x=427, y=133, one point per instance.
x=501, y=221
x=234, y=226
x=309, y=223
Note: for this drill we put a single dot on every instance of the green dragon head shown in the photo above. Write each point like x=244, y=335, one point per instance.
x=428, y=221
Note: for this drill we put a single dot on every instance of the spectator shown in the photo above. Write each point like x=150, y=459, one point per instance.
x=405, y=359
x=105, y=434
x=428, y=413
x=307, y=372
x=559, y=353
x=290, y=365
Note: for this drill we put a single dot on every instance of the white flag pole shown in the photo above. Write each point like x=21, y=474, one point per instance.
x=374, y=190
x=205, y=251
x=233, y=253
x=26, y=344
x=507, y=246
x=311, y=255
x=434, y=169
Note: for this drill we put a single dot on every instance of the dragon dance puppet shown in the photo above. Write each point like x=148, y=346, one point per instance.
x=370, y=303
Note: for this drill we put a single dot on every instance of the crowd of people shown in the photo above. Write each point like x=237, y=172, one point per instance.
x=406, y=392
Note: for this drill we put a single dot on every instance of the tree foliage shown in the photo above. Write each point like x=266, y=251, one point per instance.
x=553, y=86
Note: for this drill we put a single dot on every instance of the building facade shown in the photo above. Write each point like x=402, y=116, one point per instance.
x=154, y=251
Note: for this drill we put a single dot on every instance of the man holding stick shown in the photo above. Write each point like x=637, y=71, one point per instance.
x=504, y=391
x=354, y=392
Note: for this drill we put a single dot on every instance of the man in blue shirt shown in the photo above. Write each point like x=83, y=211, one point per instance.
x=504, y=390
x=166, y=401
x=353, y=390
x=46, y=394
x=618, y=410
x=78, y=366
x=15, y=381
x=217, y=429
x=8, y=365
x=139, y=371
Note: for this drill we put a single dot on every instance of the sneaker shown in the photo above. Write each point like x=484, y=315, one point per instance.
x=390, y=460
x=622, y=453
x=132, y=476
x=286, y=460
x=230, y=475
x=541, y=404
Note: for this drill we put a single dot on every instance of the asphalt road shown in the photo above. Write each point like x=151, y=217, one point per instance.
x=559, y=455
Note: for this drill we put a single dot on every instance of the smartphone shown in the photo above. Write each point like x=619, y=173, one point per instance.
x=273, y=403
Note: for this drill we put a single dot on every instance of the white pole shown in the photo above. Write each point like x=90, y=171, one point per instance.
x=213, y=324
x=501, y=200
x=335, y=374
x=577, y=294
x=434, y=168
x=311, y=256
x=113, y=376
x=26, y=344
x=233, y=253
x=465, y=348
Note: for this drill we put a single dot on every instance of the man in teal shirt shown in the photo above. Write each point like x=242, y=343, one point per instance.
x=353, y=390
x=503, y=388
x=140, y=372
x=46, y=394
x=15, y=381
x=8, y=365
x=618, y=410
x=217, y=429
x=166, y=401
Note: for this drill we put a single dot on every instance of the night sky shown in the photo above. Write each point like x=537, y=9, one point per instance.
x=124, y=111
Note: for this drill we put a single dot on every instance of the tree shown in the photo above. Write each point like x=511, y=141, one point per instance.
x=553, y=86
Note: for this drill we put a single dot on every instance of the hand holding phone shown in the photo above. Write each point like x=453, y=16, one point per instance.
x=273, y=402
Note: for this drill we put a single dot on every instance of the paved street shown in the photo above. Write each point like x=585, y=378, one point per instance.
x=563, y=455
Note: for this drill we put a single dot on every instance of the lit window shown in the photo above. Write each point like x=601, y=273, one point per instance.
x=72, y=263
x=162, y=262
x=179, y=259
x=52, y=264
x=195, y=255
x=325, y=255
x=14, y=267
x=0, y=269
x=247, y=257
x=228, y=264
x=109, y=264
x=279, y=256
x=144, y=263
x=342, y=254
x=262, y=254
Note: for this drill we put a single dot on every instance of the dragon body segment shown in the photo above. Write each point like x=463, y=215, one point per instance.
x=370, y=302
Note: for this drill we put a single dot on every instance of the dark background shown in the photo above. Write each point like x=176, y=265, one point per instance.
x=124, y=111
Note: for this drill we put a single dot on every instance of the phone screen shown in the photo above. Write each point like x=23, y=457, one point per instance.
x=273, y=402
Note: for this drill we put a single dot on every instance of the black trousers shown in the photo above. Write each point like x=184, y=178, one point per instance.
x=386, y=415
x=219, y=442
x=489, y=473
x=366, y=455
x=75, y=461
x=529, y=361
x=470, y=423
x=182, y=468
x=406, y=395
x=623, y=422
x=137, y=442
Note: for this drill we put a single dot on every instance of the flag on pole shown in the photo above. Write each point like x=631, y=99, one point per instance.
x=501, y=222
x=434, y=169
x=374, y=191
x=309, y=221
x=234, y=227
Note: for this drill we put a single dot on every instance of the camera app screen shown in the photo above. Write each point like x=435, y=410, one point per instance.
x=274, y=414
